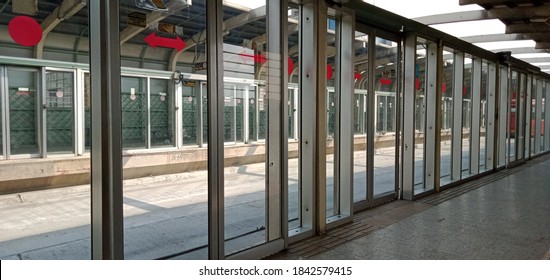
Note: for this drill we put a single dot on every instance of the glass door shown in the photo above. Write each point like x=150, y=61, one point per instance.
x=23, y=104
x=59, y=105
x=385, y=136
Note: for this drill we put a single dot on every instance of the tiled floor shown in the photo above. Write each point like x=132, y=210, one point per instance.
x=508, y=218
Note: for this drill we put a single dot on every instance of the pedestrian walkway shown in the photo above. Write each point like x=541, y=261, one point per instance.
x=505, y=215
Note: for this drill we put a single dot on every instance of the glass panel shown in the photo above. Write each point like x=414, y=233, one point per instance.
x=245, y=174
x=87, y=113
x=44, y=203
x=166, y=192
x=420, y=112
x=542, y=125
x=467, y=116
x=294, y=188
x=533, y=115
x=521, y=117
x=483, y=118
x=23, y=103
x=332, y=110
x=162, y=113
x=360, y=117
x=385, y=86
x=134, y=112
x=514, y=92
x=60, y=112
x=191, y=114
x=447, y=116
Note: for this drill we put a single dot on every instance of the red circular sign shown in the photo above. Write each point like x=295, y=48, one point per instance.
x=25, y=31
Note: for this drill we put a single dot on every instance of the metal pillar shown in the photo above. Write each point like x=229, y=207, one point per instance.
x=106, y=150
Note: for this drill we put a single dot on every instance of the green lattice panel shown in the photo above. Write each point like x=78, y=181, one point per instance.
x=134, y=119
x=205, y=120
x=228, y=123
x=239, y=119
x=60, y=127
x=252, y=119
x=190, y=121
x=87, y=128
x=160, y=132
x=262, y=128
x=22, y=120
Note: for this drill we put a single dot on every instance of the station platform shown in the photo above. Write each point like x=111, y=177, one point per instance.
x=500, y=216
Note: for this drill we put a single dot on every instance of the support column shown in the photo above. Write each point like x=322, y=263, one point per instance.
x=431, y=112
x=538, y=113
x=527, y=114
x=313, y=115
x=215, y=92
x=344, y=121
x=458, y=84
x=476, y=107
x=502, y=116
x=491, y=112
x=106, y=151
x=409, y=61
x=547, y=117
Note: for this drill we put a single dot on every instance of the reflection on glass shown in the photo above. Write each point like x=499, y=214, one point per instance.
x=332, y=110
x=447, y=116
x=40, y=220
x=360, y=119
x=385, y=87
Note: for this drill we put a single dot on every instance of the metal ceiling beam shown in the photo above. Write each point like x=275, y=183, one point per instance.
x=535, y=27
x=534, y=13
x=455, y=17
x=484, y=2
x=519, y=50
x=64, y=11
x=536, y=60
x=152, y=18
x=542, y=45
x=229, y=24
x=495, y=38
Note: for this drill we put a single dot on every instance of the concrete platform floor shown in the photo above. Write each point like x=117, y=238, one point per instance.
x=508, y=218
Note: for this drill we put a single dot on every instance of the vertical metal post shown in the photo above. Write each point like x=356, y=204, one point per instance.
x=200, y=95
x=456, y=145
x=4, y=108
x=371, y=116
x=309, y=51
x=246, y=112
x=502, y=114
x=148, y=113
x=431, y=112
x=106, y=149
x=215, y=91
x=438, y=117
x=490, y=151
x=546, y=130
x=78, y=112
x=283, y=136
x=345, y=96
x=321, y=113
x=527, y=122
x=178, y=111
x=476, y=109
x=538, y=113
x=407, y=168
x=42, y=108
x=277, y=130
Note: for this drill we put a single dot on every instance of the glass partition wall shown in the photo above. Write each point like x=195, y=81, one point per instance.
x=293, y=116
